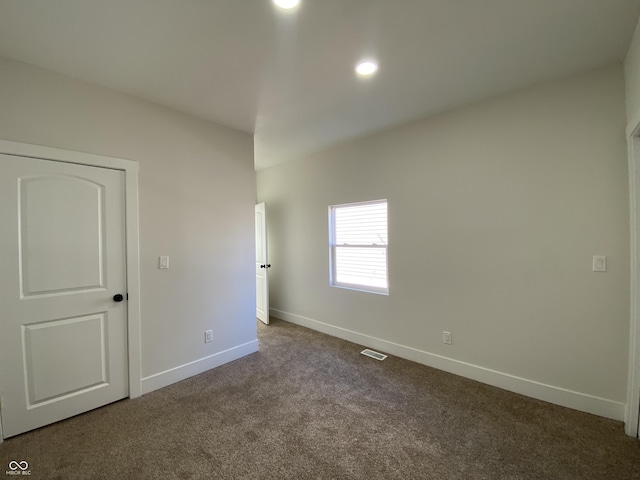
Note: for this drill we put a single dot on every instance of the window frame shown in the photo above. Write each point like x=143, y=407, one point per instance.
x=332, y=250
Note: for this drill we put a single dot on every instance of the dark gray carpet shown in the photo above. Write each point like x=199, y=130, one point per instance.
x=310, y=406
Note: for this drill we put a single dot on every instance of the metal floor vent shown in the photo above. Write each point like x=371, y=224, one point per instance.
x=373, y=354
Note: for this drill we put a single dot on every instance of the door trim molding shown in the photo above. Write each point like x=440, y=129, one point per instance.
x=130, y=169
x=1, y=434
x=632, y=409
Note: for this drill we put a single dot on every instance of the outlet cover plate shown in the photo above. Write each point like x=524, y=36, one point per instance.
x=599, y=263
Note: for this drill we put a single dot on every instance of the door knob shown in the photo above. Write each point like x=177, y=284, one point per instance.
x=118, y=297
x=268, y=265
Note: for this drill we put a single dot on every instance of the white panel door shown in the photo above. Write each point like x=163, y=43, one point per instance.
x=63, y=347
x=262, y=267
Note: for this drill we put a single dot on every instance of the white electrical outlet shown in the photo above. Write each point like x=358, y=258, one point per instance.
x=599, y=263
x=446, y=337
x=208, y=336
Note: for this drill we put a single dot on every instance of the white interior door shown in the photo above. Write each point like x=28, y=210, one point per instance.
x=262, y=265
x=63, y=345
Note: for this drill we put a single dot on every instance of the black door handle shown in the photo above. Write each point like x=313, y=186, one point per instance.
x=268, y=265
x=118, y=297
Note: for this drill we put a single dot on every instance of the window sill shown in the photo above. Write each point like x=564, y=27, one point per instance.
x=358, y=288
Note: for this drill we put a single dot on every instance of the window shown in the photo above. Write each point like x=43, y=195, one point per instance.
x=358, y=243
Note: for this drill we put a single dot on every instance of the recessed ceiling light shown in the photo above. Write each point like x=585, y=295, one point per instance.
x=366, y=68
x=287, y=4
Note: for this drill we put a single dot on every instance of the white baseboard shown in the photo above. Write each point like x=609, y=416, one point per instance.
x=163, y=379
x=548, y=393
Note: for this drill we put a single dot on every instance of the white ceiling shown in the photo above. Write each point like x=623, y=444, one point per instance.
x=288, y=77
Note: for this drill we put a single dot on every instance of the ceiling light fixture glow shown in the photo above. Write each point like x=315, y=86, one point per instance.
x=287, y=4
x=366, y=68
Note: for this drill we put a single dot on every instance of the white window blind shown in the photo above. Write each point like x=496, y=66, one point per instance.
x=358, y=241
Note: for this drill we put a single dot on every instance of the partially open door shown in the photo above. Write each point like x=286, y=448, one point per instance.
x=262, y=265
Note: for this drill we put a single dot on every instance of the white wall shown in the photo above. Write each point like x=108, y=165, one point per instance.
x=495, y=212
x=197, y=191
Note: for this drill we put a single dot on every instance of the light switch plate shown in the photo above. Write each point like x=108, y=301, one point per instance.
x=599, y=263
x=163, y=263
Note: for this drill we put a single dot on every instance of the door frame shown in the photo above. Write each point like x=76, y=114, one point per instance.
x=132, y=248
x=632, y=410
